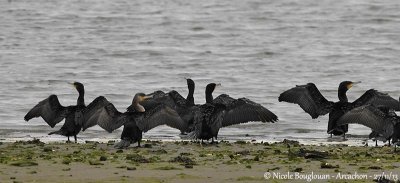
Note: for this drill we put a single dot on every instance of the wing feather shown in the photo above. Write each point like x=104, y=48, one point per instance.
x=370, y=116
x=240, y=110
x=377, y=99
x=49, y=109
x=161, y=115
x=309, y=98
x=91, y=109
x=109, y=118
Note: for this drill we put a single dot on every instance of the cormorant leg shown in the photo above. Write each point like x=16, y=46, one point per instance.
x=68, y=140
x=376, y=143
x=75, y=139
x=212, y=140
x=344, y=136
x=331, y=135
x=138, y=143
x=389, y=143
x=201, y=141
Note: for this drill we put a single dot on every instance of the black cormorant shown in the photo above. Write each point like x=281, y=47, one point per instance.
x=225, y=111
x=75, y=116
x=383, y=122
x=184, y=107
x=314, y=103
x=136, y=120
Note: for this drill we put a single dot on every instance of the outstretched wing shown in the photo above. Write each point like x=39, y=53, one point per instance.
x=109, y=118
x=91, y=109
x=309, y=98
x=370, y=116
x=241, y=110
x=377, y=99
x=49, y=109
x=160, y=115
x=171, y=99
x=157, y=97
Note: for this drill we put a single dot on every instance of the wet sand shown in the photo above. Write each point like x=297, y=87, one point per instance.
x=183, y=161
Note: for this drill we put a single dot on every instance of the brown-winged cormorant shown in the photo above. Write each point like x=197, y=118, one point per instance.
x=314, y=103
x=225, y=111
x=75, y=116
x=136, y=120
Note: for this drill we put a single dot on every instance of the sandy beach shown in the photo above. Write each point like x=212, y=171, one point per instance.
x=183, y=161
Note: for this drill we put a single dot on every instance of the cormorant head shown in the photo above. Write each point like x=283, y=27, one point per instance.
x=346, y=85
x=211, y=87
x=140, y=97
x=79, y=86
x=209, y=90
x=190, y=83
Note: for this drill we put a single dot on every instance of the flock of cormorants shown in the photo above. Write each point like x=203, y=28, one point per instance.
x=203, y=121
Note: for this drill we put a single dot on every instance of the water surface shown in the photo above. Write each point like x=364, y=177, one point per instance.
x=256, y=49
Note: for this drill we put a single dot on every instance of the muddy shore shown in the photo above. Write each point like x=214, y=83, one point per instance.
x=183, y=161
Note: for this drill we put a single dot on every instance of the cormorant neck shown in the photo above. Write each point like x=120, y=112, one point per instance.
x=342, y=95
x=190, y=97
x=138, y=107
x=209, y=97
x=81, y=98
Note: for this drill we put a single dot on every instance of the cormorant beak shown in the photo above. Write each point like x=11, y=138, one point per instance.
x=73, y=84
x=146, y=97
x=352, y=84
x=217, y=85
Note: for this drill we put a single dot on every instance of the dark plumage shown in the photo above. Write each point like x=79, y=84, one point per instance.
x=383, y=122
x=136, y=121
x=184, y=107
x=314, y=103
x=75, y=116
x=309, y=99
x=225, y=111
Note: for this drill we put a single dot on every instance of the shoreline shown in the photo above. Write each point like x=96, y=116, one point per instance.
x=352, y=141
x=184, y=161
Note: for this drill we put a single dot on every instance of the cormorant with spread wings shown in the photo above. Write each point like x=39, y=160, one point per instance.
x=225, y=111
x=136, y=120
x=314, y=103
x=75, y=116
x=384, y=122
x=184, y=107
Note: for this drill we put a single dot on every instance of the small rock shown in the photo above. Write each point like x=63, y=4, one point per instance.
x=148, y=146
x=257, y=158
x=103, y=158
x=298, y=170
x=131, y=168
x=120, y=151
x=374, y=168
x=328, y=165
x=47, y=149
x=188, y=166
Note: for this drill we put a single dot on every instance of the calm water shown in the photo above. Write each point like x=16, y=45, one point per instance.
x=256, y=49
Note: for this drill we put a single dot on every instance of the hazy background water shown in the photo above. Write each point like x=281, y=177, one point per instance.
x=256, y=49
